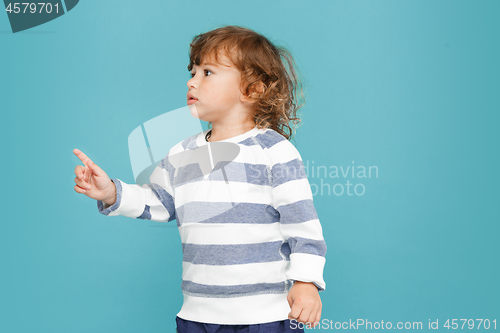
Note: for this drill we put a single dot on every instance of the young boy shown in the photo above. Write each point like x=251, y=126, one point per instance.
x=253, y=249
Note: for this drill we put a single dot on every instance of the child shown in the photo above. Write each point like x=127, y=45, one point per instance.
x=253, y=249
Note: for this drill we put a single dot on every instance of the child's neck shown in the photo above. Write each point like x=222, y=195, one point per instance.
x=223, y=132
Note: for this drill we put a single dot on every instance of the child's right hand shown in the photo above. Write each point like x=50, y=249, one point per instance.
x=92, y=181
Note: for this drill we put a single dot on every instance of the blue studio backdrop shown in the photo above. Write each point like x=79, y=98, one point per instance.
x=398, y=135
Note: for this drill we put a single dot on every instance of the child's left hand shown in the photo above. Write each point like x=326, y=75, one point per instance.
x=305, y=303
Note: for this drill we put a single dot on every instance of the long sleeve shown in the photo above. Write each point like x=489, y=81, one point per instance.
x=153, y=201
x=299, y=223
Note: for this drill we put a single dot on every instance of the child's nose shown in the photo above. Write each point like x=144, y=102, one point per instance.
x=191, y=83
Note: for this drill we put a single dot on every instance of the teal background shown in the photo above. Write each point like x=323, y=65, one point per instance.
x=408, y=86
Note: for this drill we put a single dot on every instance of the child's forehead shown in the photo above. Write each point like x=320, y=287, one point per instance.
x=221, y=59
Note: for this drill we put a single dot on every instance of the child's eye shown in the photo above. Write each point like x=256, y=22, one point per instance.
x=207, y=73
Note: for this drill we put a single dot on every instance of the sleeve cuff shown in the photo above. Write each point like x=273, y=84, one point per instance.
x=104, y=208
x=315, y=284
x=307, y=268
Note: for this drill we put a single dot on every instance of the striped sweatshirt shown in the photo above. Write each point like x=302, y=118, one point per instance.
x=247, y=222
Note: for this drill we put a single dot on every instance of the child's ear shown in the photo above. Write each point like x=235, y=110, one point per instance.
x=258, y=87
x=254, y=91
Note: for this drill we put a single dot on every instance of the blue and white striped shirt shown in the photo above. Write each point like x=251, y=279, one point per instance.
x=247, y=222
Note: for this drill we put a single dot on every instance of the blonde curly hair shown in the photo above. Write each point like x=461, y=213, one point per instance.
x=269, y=74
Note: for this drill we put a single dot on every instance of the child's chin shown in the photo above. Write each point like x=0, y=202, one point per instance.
x=194, y=111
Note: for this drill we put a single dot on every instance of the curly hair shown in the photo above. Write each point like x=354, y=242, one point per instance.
x=268, y=72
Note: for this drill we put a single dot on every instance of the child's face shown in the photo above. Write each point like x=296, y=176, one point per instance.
x=214, y=90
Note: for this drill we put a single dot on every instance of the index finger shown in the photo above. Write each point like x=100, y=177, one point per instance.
x=84, y=158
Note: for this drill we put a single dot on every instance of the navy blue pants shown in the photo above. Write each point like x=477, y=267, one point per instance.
x=187, y=326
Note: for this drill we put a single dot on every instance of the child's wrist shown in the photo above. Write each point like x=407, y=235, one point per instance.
x=306, y=283
x=110, y=199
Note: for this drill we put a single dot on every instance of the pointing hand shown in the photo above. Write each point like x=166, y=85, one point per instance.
x=92, y=181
